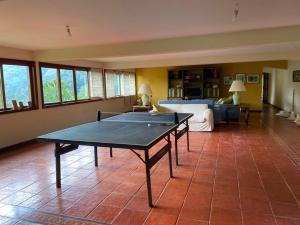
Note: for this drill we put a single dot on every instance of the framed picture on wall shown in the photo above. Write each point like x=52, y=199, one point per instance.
x=296, y=76
x=241, y=77
x=252, y=78
x=228, y=80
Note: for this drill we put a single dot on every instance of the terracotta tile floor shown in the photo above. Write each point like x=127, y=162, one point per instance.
x=235, y=175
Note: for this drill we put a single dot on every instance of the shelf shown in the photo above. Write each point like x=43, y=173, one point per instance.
x=193, y=81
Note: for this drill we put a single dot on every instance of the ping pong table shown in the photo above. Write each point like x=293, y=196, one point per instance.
x=134, y=131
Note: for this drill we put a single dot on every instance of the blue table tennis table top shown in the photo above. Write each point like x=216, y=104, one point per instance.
x=134, y=130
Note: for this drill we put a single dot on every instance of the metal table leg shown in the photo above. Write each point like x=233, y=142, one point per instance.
x=110, y=152
x=148, y=178
x=176, y=147
x=57, y=163
x=96, y=155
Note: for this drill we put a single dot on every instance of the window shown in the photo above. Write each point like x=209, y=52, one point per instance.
x=119, y=83
x=16, y=85
x=68, y=85
x=96, y=83
x=50, y=85
x=82, y=85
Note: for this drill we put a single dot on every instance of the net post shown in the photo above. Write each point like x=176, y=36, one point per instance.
x=98, y=115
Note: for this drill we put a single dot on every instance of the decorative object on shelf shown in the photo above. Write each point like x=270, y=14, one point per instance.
x=228, y=80
x=15, y=105
x=296, y=76
x=21, y=105
x=216, y=91
x=145, y=91
x=252, y=78
x=30, y=104
x=236, y=87
x=241, y=77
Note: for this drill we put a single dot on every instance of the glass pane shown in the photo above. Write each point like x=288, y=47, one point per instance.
x=1, y=95
x=132, y=90
x=117, y=90
x=50, y=85
x=96, y=83
x=16, y=84
x=112, y=84
x=125, y=84
x=82, y=84
x=67, y=85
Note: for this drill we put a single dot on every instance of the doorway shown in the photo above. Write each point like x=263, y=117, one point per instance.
x=266, y=77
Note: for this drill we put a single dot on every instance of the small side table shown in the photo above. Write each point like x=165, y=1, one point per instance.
x=243, y=109
x=141, y=108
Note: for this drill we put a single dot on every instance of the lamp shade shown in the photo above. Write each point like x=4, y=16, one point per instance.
x=237, y=86
x=145, y=89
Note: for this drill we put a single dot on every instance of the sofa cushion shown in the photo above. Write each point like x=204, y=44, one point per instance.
x=208, y=102
x=202, y=119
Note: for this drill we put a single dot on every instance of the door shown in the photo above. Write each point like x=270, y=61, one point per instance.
x=266, y=88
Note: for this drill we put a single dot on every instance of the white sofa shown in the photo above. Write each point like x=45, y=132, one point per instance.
x=203, y=119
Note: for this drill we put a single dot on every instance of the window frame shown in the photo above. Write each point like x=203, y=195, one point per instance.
x=119, y=72
x=58, y=67
x=32, y=84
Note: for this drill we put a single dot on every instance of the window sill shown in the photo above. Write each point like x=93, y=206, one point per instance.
x=116, y=97
x=8, y=111
x=51, y=105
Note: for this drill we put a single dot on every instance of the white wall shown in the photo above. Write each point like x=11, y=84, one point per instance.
x=281, y=87
x=22, y=126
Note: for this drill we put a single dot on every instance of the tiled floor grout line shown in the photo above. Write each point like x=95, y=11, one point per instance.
x=155, y=168
x=286, y=183
x=214, y=183
x=62, y=214
x=284, y=146
x=238, y=183
x=111, y=191
x=191, y=180
x=262, y=184
x=169, y=180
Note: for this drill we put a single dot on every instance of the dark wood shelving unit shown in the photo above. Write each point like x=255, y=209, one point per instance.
x=193, y=83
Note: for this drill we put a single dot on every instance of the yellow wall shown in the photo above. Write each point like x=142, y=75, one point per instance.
x=253, y=95
x=158, y=80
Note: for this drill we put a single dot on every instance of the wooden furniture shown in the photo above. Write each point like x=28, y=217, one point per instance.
x=193, y=83
x=244, y=109
x=141, y=108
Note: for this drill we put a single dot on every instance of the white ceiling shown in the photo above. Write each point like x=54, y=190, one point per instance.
x=204, y=53
x=40, y=24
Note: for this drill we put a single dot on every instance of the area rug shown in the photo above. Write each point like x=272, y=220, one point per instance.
x=53, y=219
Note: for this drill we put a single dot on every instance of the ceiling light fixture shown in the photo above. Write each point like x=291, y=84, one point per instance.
x=235, y=12
x=68, y=28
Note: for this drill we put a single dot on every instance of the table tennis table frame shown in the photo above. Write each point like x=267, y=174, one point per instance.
x=177, y=135
x=63, y=148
